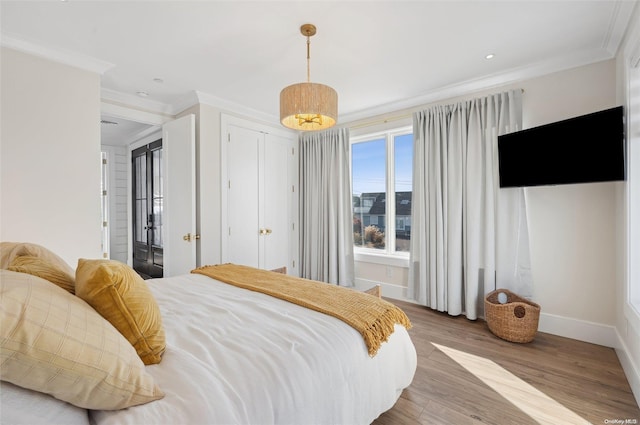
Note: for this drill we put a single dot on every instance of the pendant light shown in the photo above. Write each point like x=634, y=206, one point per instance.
x=308, y=106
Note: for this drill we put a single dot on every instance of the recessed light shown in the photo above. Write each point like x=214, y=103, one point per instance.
x=490, y=56
x=142, y=93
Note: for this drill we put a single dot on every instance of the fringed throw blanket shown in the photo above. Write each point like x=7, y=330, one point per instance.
x=372, y=317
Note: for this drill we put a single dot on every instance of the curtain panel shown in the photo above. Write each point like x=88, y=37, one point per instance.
x=468, y=236
x=326, y=223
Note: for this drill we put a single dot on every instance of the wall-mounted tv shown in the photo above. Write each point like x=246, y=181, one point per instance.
x=584, y=149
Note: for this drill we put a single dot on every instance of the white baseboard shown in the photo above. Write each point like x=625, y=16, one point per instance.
x=582, y=330
x=629, y=366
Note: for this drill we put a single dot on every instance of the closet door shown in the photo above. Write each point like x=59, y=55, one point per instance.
x=243, y=189
x=277, y=205
x=259, y=198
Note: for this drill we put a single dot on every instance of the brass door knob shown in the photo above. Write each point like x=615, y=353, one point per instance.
x=189, y=237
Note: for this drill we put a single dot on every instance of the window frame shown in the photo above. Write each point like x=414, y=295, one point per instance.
x=632, y=130
x=388, y=255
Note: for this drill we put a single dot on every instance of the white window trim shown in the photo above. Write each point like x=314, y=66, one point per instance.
x=388, y=256
x=397, y=260
x=632, y=130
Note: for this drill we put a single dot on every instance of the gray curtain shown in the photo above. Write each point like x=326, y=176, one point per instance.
x=468, y=237
x=326, y=223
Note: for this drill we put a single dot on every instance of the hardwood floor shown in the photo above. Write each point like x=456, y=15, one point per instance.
x=466, y=375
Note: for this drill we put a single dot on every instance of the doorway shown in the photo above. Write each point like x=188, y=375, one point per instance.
x=147, y=209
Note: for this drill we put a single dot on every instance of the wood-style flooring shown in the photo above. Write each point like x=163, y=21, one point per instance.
x=466, y=375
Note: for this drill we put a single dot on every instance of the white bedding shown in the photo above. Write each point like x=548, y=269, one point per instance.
x=20, y=406
x=239, y=357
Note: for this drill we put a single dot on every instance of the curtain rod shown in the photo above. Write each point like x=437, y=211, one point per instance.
x=381, y=121
x=386, y=120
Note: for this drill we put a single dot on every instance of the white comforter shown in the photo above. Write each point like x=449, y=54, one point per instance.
x=240, y=357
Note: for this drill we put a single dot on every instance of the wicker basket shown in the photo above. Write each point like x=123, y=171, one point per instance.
x=515, y=321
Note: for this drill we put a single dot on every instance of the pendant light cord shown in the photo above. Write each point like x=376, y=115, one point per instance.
x=308, y=57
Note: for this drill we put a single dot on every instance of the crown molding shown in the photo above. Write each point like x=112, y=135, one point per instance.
x=618, y=26
x=631, y=49
x=233, y=107
x=470, y=86
x=65, y=57
x=136, y=102
x=185, y=102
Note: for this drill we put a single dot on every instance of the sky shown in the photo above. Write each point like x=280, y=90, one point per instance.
x=369, y=169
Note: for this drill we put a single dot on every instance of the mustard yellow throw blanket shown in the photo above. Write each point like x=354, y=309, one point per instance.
x=372, y=317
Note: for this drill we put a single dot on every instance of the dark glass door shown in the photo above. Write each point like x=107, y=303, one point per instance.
x=146, y=167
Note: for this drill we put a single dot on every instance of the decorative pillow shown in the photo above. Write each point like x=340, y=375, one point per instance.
x=44, y=269
x=53, y=342
x=10, y=250
x=122, y=297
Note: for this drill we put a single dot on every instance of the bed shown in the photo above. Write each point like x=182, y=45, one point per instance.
x=230, y=356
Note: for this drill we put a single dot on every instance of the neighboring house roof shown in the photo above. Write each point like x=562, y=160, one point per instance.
x=403, y=203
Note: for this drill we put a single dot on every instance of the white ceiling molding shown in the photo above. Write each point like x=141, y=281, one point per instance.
x=76, y=60
x=465, y=88
x=237, y=108
x=132, y=114
x=632, y=40
x=618, y=25
x=136, y=102
x=186, y=102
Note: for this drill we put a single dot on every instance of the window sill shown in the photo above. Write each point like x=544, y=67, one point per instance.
x=398, y=260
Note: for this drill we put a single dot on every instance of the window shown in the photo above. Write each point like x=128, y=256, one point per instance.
x=381, y=184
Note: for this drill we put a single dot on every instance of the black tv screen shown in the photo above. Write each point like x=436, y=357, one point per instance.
x=584, y=149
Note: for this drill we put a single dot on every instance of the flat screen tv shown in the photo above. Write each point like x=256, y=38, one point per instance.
x=584, y=149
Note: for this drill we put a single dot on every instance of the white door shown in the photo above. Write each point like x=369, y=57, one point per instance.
x=243, y=203
x=277, y=199
x=179, y=187
x=259, y=197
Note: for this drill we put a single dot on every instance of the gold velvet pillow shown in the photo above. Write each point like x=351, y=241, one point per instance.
x=122, y=297
x=53, y=342
x=10, y=250
x=39, y=267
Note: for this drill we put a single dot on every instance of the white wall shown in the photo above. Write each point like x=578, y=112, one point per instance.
x=50, y=156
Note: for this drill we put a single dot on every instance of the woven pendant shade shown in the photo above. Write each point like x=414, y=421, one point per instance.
x=308, y=106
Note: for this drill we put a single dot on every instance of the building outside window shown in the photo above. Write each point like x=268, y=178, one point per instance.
x=381, y=184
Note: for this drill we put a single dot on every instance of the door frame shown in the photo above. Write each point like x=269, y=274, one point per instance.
x=154, y=132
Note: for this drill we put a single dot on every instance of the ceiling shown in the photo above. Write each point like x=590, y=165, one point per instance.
x=380, y=56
